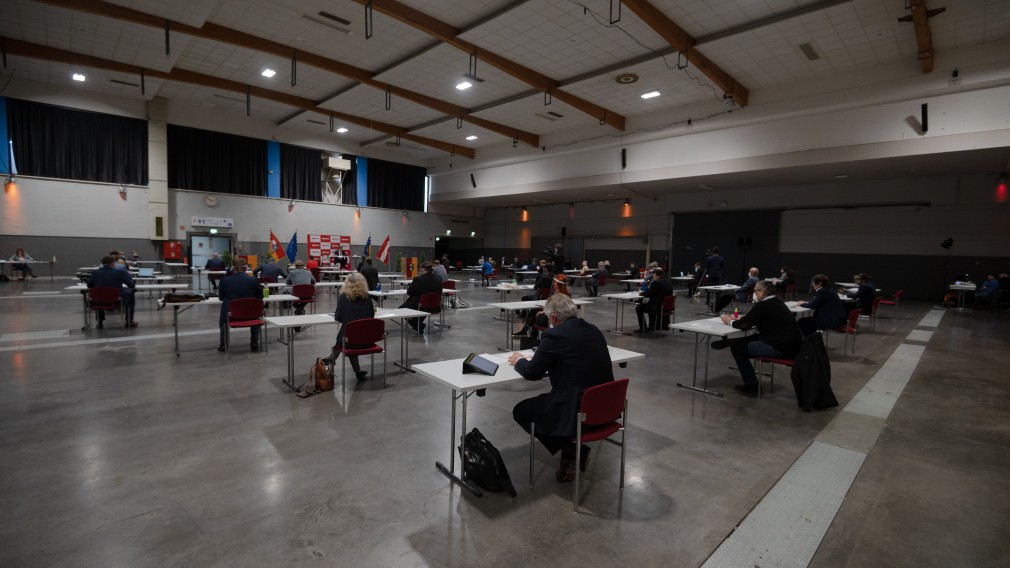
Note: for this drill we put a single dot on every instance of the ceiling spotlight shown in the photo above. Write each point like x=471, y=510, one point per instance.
x=448, y=232
x=473, y=233
x=471, y=137
x=650, y=94
x=404, y=212
x=11, y=184
x=464, y=85
x=79, y=77
x=268, y=73
x=627, y=202
x=122, y=190
x=524, y=209
x=341, y=130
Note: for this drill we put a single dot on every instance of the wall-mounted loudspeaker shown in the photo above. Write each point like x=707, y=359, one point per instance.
x=925, y=118
x=473, y=182
x=624, y=158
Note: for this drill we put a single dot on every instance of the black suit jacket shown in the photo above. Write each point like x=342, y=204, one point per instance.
x=419, y=286
x=108, y=276
x=829, y=312
x=657, y=290
x=371, y=275
x=776, y=325
x=575, y=356
x=237, y=286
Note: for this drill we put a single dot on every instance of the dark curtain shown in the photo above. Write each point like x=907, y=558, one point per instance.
x=395, y=186
x=213, y=161
x=301, y=170
x=350, y=191
x=57, y=142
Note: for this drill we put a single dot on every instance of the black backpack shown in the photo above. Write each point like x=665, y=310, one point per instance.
x=482, y=464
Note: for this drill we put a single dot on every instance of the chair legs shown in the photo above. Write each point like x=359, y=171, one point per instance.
x=771, y=375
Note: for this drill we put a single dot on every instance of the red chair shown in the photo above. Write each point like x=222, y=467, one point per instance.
x=106, y=299
x=791, y=291
x=666, y=311
x=602, y=282
x=447, y=298
x=459, y=265
x=432, y=303
x=306, y=295
x=602, y=407
x=244, y=313
x=317, y=274
x=362, y=337
x=267, y=280
x=849, y=328
x=873, y=313
x=893, y=301
x=772, y=361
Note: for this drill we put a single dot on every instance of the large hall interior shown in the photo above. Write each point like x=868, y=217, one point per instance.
x=811, y=137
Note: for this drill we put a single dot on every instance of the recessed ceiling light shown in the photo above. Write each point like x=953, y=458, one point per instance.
x=79, y=77
x=841, y=176
x=650, y=94
x=464, y=85
x=268, y=73
x=341, y=130
x=471, y=137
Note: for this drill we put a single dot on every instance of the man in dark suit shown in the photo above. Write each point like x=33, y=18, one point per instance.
x=370, y=273
x=828, y=310
x=425, y=283
x=237, y=285
x=652, y=299
x=778, y=336
x=574, y=353
x=713, y=267
x=215, y=263
x=107, y=275
x=271, y=271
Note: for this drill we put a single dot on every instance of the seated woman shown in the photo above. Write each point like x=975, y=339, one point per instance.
x=353, y=304
x=19, y=259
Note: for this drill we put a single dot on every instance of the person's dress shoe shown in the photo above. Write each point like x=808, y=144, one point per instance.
x=720, y=344
x=100, y=325
x=220, y=348
x=747, y=389
x=133, y=324
x=360, y=375
x=584, y=459
x=254, y=348
x=566, y=470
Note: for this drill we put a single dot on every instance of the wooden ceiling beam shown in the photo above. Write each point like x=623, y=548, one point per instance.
x=684, y=43
x=923, y=36
x=36, y=51
x=216, y=32
x=450, y=35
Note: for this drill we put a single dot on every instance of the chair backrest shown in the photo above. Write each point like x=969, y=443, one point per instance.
x=494, y=274
x=876, y=304
x=267, y=280
x=560, y=286
x=459, y=265
x=790, y=290
x=545, y=293
x=602, y=281
x=430, y=302
x=104, y=295
x=897, y=295
x=669, y=303
x=450, y=284
x=364, y=331
x=316, y=273
x=604, y=403
x=303, y=291
x=245, y=309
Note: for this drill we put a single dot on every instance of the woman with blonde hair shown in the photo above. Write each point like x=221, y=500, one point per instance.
x=353, y=304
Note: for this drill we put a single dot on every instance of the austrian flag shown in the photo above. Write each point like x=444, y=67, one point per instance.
x=383, y=255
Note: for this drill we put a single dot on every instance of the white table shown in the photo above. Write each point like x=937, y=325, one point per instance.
x=507, y=289
x=386, y=293
x=83, y=289
x=518, y=306
x=179, y=307
x=704, y=331
x=961, y=288
x=629, y=281
x=797, y=310
x=718, y=291
x=289, y=323
x=200, y=270
x=450, y=374
x=685, y=280
x=622, y=299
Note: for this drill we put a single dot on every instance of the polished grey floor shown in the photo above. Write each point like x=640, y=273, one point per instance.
x=115, y=452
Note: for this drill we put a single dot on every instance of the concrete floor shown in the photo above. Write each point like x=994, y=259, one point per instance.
x=115, y=452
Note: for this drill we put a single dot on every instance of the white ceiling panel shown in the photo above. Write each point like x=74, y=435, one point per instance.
x=370, y=103
x=532, y=115
x=447, y=131
x=190, y=12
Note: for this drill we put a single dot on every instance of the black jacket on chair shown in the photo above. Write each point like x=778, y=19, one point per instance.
x=575, y=355
x=811, y=375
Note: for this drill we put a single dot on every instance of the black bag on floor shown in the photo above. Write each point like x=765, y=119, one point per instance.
x=811, y=375
x=482, y=464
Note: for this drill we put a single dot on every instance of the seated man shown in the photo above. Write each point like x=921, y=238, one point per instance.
x=865, y=293
x=652, y=299
x=107, y=275
x=370, y=273
x=270, y=271
x=439, y=270
x=829, y=312
x=424, y=283
x=988, y=292
x=574, y=354
x=214, y=263
x=299, y=275
x=544, y=280
x=486, y=270
x=593, y=283
x=237, y=285
x=743, y=293
x=779, y=335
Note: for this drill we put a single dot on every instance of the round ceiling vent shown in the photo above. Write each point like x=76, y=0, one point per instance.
x=626, y=78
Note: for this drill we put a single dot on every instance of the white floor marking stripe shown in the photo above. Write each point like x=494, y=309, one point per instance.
x=919, y=335
x=105, y=340
x=878, y=396
x=785, y=528
x=932, y=318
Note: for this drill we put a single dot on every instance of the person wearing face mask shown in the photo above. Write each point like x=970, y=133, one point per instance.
x=573, y=352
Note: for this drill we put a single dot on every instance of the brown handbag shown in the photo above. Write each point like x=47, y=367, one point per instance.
x=320, y=376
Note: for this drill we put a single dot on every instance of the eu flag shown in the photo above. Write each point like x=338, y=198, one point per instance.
x=293, y=247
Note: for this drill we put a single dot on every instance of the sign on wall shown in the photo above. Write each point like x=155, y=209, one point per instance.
x=325, y=247
x=201, y=221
